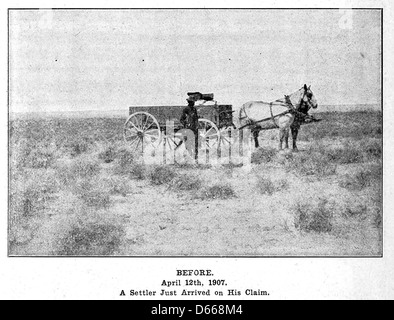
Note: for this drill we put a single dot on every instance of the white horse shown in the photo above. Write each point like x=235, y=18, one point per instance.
x=286, y=114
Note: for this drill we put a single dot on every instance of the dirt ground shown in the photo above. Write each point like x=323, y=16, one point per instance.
x=160, y=220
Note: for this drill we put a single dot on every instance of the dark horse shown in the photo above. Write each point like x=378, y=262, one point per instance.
x=296, y=106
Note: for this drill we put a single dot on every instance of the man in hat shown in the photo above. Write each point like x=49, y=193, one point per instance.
x=189, y=120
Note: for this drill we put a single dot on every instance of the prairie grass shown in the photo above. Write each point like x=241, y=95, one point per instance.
x=116, y=185
x=310, y=217
x=186, y=182
x=268, y=187
x=78, y=146
x=355, y=211
x=80, y=168
x=30, y=192
x=91, y=235
x=344, y=155
x=124, y=160
x=362, y=178
x=32, y=154
x=263, y=155
x=377, y=221
x=372, y=149
x=353, y=125
x=311, y=163
x=107, y=155
x=138, y=171
x=93, y=193
x=220, y=191
x=41, y=157
x=62, y=194
x=161, y=174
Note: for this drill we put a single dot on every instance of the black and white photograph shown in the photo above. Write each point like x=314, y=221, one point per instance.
x=175, y=133
x=126, y=132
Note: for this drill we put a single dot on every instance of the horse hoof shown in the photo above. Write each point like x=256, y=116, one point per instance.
x=295, y=150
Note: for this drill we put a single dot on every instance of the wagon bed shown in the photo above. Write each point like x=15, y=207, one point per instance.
x=147, y=124
x=218, y=114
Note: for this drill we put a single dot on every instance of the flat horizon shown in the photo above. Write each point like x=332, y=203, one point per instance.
x=119, y=112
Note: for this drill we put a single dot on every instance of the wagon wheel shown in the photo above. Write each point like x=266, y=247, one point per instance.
x=209, y=133
x=174, y=141
x=141, y=130
x=226, y=138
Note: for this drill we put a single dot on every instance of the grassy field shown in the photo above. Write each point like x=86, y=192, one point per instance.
x=76, y=189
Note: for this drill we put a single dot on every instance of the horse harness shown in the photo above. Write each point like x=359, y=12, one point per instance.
x=288, y=104
x=291, y=109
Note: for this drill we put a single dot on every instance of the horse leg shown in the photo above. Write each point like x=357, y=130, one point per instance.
x=256, y=138
x=281, y=136
x=286, y=134
x=294, y=134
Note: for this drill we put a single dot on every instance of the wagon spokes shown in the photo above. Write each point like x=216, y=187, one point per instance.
x=208, y=133
x=173, y=142
x=226, y=138
x=142, y=130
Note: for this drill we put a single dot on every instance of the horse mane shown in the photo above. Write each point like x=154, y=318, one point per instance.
x=295, y=98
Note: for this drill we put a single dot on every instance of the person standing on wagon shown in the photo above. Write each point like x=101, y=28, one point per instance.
x=189, y=120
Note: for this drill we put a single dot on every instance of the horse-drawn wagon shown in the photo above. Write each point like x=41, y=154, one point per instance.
x=153, y=125
x=149, y=125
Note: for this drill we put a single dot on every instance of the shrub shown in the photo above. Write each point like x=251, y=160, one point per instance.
x=186, y=182
x=313, y=163
x=116, y=185
x=345, y=155
x=355, y=211
x=361, y=179
x=188, y=165
x=267, y=186
x=263, y=155
x=282, y=184
x=28, y=195
x=78, y=147
x=161, y=174
x=42, y=158
x=80, y=168
x=137, y=171
x=378, y=219
x=29, y=153
x=372, y=149
x=93, y=193
x=18, y=155
x=313, y=218
x=125, y=157
x=85, y=168
x=124, y=161
x=108, y=155
x=25, y=202
x=218, y=191
x=91, y=239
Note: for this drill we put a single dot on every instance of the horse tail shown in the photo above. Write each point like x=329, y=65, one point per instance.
x=240, y=115
x=242, y=111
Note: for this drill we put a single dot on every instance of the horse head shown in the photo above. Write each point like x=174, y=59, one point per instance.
x=308, y=98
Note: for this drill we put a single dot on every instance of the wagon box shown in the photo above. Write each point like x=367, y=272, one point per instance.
x=146, y=124
x=218, y=114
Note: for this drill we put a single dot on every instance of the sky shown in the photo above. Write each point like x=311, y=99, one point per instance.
x=78, y=60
